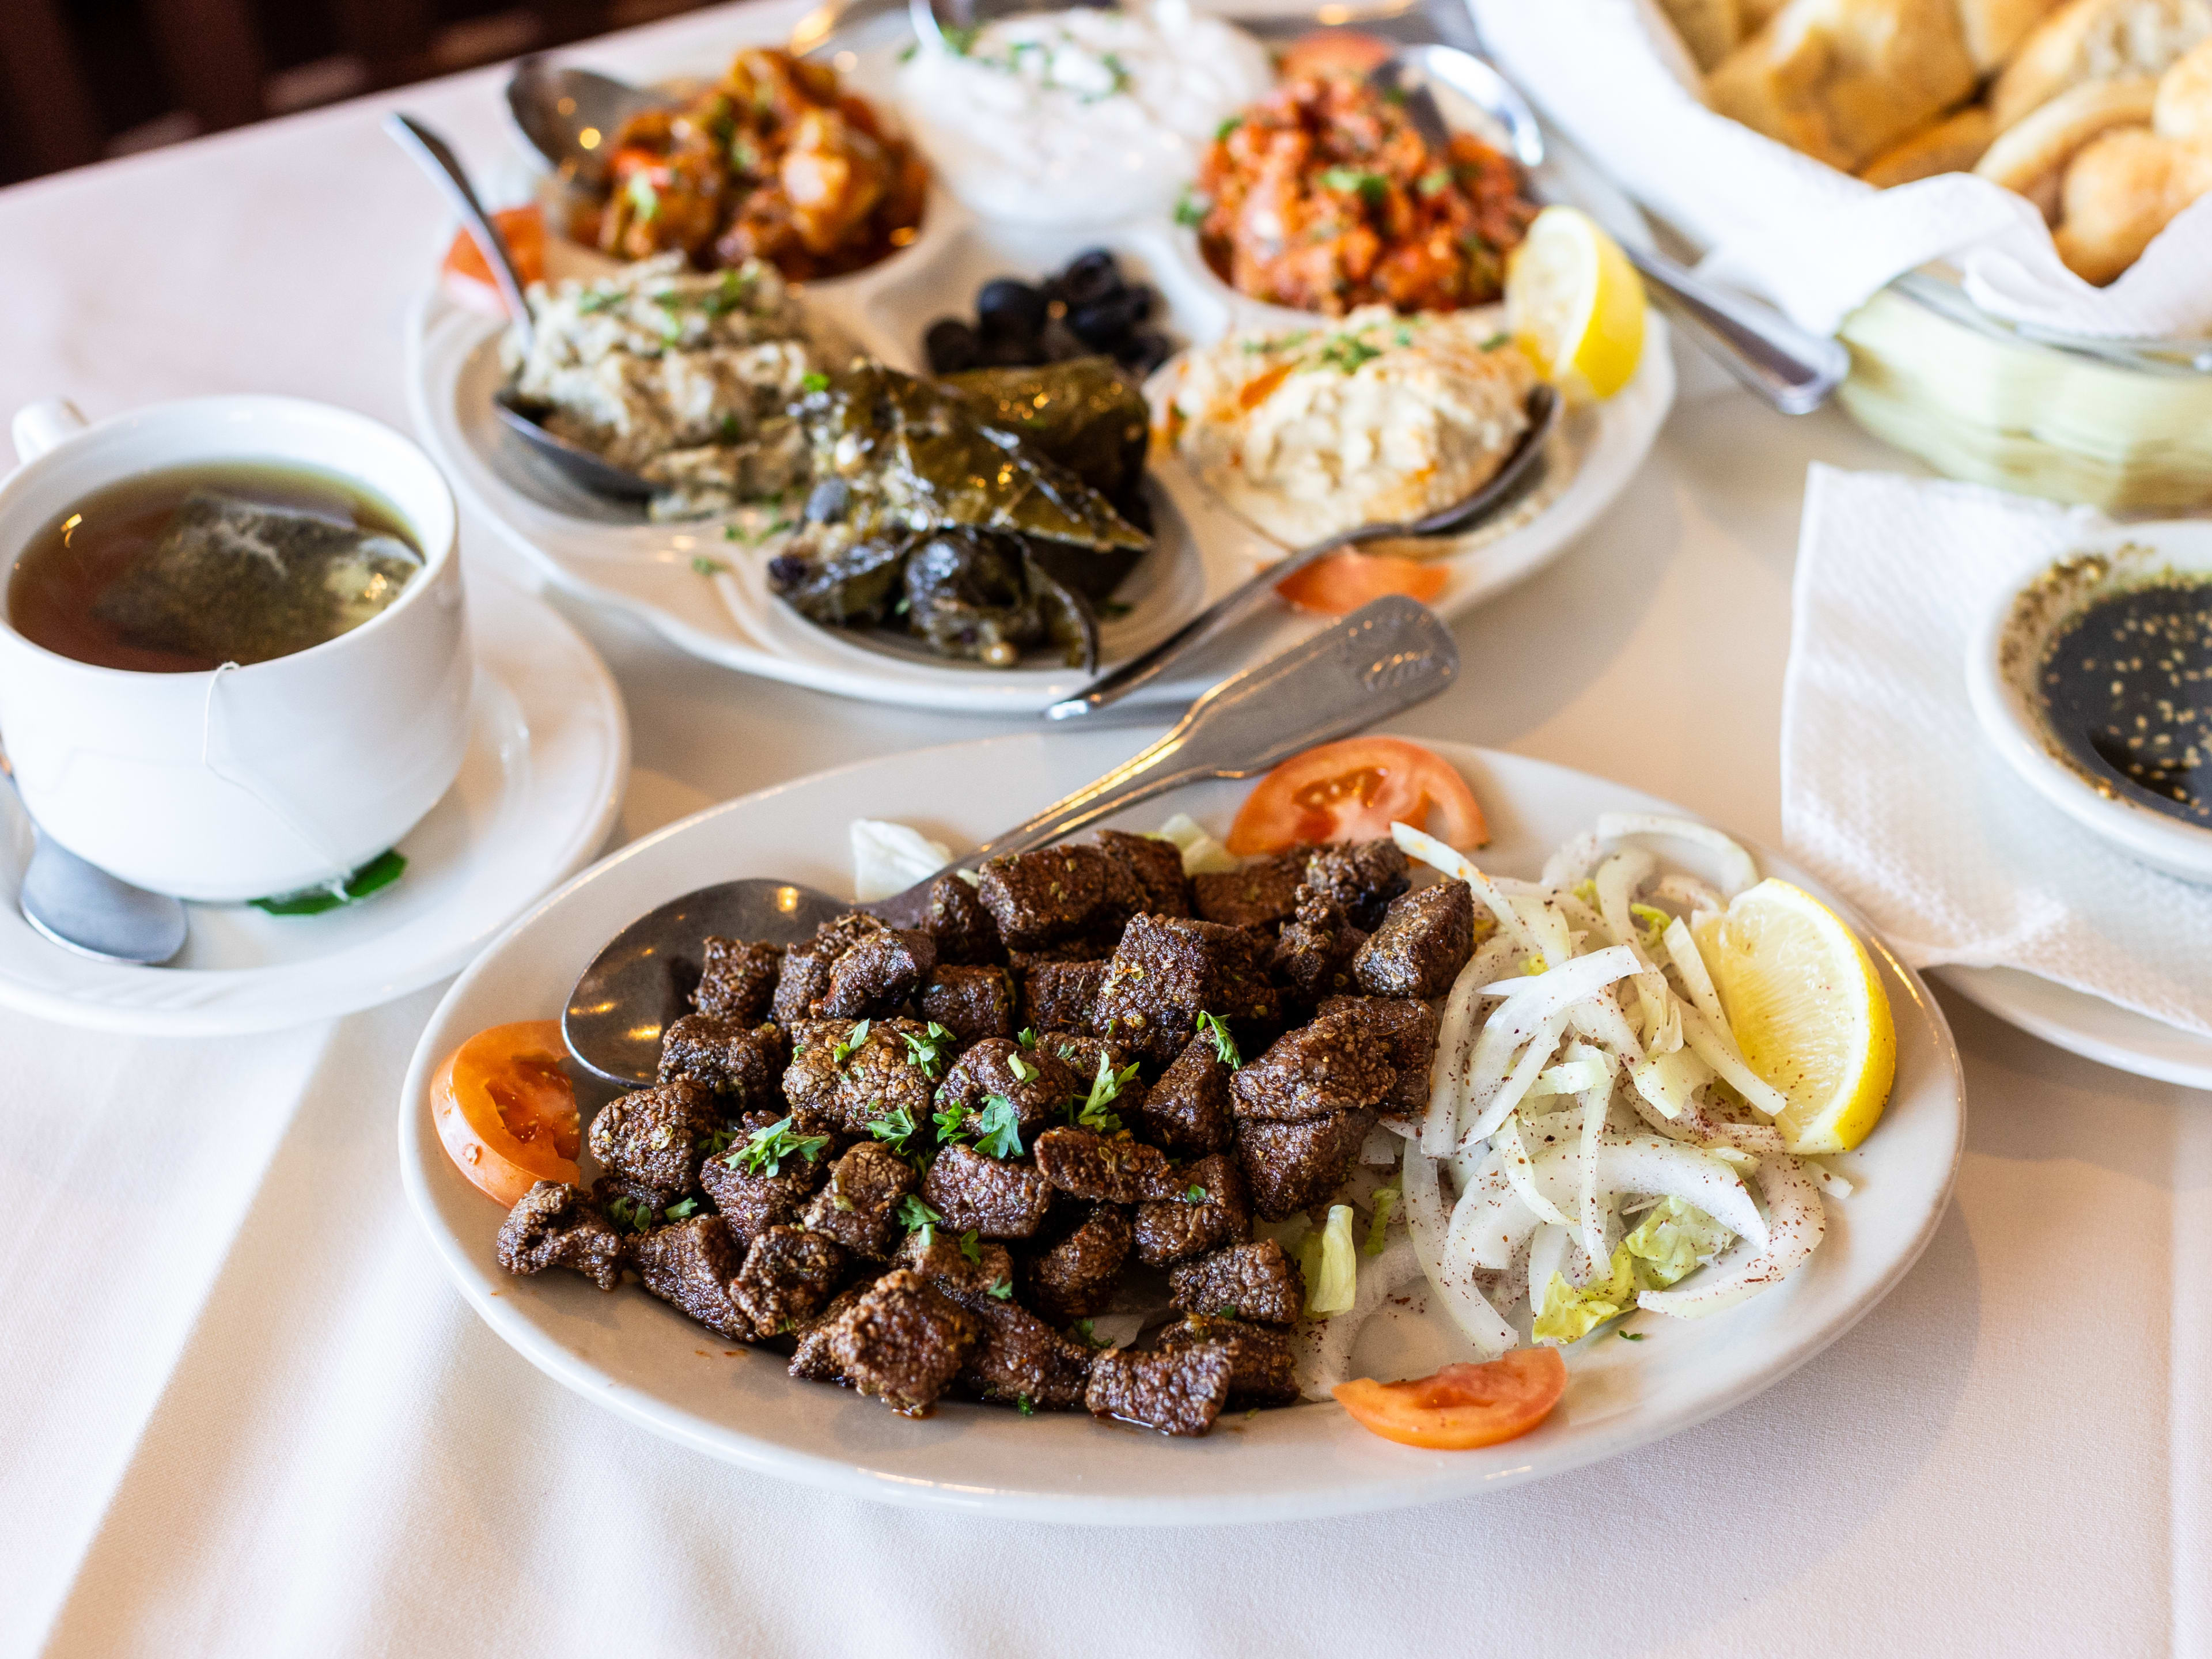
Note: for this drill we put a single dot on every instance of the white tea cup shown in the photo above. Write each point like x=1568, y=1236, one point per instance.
x=243, y=781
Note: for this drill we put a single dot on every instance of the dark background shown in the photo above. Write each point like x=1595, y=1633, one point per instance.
x=81, y=80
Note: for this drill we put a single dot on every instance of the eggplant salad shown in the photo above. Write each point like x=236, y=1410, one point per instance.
x=919, y=1162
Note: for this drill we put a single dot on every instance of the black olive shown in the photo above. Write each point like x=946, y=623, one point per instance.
x=1144, y=351
x=1103, y=324
x=1006, y=307
x=1090, y=277
x=951, y=346
x=826, y=503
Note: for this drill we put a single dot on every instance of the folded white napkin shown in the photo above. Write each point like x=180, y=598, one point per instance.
x=1817, y=242
x=1890, y=790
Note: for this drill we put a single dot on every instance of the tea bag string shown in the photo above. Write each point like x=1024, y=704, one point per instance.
x=307, y=833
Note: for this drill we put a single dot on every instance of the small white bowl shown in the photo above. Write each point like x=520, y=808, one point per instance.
x=2007, y=653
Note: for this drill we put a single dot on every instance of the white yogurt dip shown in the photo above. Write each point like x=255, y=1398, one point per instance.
x=1062, y=117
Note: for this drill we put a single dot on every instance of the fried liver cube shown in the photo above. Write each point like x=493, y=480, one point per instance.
x=1056, y=893
x=1187, y=1110
x=809, y=1359
x=1289, y=1167
x=965, y=934
x=1254, y=1281
x=657, y=1137
x=789, y=1273
x=689, y=1265
x=1076, y=1277
x=942, y=1257
x=853, y=968
x=1165, y=973
x=737, y=980
x=1036, y=1082
x=742, y=1064
x=1260, y=895
x=1337, y=1063
x=1086, y=1164
x=1019, y=1358
x=877, y=1077
x=976, y=1192
x=1361, y=877
x=859, y=1204
x=971, y=1003
x=903, y=1341
x=1178, y=1391
x=1262, y=1368
x=1312, y=956
x=1410, y=1030
x=1173, y=1230
x=557, y=1226
x=1062, y=996
x=1157, y=863
x=1426, y=938
x=751, y=1204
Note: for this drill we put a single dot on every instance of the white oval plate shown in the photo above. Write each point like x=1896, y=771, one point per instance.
x=540, y=787
x=641, y=1359
x=608, y=555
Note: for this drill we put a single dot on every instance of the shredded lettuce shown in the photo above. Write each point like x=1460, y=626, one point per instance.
x=1570, y=1314
x=1332, y=1267
x=1386, y=1200
x=1672, y=1240
x=1202, y=855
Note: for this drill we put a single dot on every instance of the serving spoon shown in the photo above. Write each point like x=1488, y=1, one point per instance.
x=80, y=908
x=571, y=115
x=593, y=471
x=1791, y=367
x=1523, y=464
x=1382, y=659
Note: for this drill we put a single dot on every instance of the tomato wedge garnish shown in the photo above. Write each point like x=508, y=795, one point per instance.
x=524, y=228
x=1355, y=790
x=506, y=1111
x=1339, y=584
x=1461, y=1406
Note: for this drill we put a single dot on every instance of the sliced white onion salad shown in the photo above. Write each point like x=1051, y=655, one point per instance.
x=1594, y=1134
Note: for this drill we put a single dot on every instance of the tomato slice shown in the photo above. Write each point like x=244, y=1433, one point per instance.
x=1355, y=790
x=505, y=1109
x=1461, y=1406
x=525, y=230
x=1339, y=584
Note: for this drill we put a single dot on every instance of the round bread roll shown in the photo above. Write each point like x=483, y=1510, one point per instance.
x=2089, y=41
x=1953, y=144
x=2030, y=157
x=2183, y=109
x=2120, y=191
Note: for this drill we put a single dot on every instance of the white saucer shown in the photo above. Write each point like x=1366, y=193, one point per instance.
x=2087, y=1025
x=539, y=788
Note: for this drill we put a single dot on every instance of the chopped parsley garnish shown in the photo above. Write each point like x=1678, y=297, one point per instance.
x=953, y=1124
x=1403, y=334
x=926, y=1053
x=1195, y=1193
x=815, y=381
x=917, y=1217
x=1630, y=1336
x=1225, y=1046
x=894, y=1129
x=1023, y=1072
x=719, y=1142
x=1434, y=182
x=732, y=429
x=1027, y=1037
x=1346, y=352
x=1227, y=127
x=1372, y=187
x=1494, y=342
x=644, y=198
x=682, y=1210
x=1025, y=1405
x=599, y=299
x=707, y=567
x=959, y=41
x=630, y=1214
x=765, y=1151
x=1192, y=209
x=998, y=1129
x=971, y=1245
x=850, y=1044
x=1089, y=1337
x=1106, y=1087
x=1003, y=1289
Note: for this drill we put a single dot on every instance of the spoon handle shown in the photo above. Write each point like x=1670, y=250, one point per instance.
x=1377, y=662
x=1792, y=367
x=446, y=170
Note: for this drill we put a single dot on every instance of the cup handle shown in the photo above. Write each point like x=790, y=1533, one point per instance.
x=38, y=427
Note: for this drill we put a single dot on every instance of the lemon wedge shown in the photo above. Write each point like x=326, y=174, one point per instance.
x=1574, y=304
x=1808, y=1010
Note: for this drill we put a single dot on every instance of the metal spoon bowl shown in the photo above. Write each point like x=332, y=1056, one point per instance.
x=1376, y=663
x=80, y=908
x=570, y=115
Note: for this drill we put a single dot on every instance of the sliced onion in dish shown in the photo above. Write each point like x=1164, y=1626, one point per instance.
x=1646, y=1163
x=1739, y=870
x=1427, y=849
x=1322, y=1356
x=1796, y=1225
x=1454, y=1282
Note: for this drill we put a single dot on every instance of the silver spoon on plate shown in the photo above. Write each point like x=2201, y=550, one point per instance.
x=1377, y=662
x=80, y=908
x=593, y=471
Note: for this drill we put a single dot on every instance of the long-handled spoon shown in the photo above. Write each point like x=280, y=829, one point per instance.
x=1519, y=468
x=1377, y=662
x=80, y=908
x=594, y=473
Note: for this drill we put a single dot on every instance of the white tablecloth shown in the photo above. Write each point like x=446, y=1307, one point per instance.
x=242, y=1413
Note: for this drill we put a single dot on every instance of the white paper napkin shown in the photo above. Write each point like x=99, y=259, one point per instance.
x=1890, y=790
x=1816, y=241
